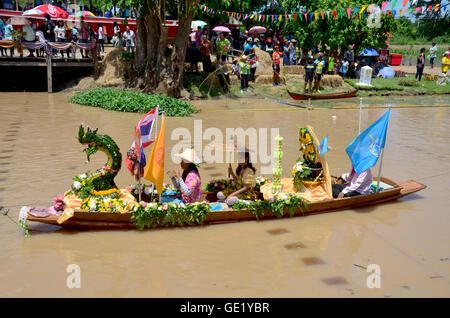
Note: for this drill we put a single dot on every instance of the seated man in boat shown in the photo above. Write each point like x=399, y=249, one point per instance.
x=189, y=182
x=354, y=184
x=245, y=182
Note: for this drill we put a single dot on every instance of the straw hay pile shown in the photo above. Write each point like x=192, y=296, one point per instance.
x=268, y=79
x=332, y=80
x=265, y=63
x=327, y=80
x=113, y=69
x=293, y=69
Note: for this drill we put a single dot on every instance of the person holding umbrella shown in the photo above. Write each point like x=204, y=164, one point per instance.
x=85, y=30
x=223, y=45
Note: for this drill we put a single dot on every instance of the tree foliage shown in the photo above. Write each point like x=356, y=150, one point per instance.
x=338, y=32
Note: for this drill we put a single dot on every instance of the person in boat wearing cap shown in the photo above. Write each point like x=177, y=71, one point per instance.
x=309, y=73
x=245, y=181
x=188, y=182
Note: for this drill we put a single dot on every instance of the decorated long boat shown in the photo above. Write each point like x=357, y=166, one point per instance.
x=95, y=202
x=108, y=220
x=347, y=94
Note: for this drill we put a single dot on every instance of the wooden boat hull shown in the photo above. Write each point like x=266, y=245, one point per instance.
x=297, y=96
x=107, y=220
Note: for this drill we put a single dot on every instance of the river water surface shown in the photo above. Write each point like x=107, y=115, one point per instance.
x=320, y=255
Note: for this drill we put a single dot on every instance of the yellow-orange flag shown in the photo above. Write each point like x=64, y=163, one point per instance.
x=154, y=170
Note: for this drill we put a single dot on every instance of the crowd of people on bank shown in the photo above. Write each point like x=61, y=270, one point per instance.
x=65, y=5
x=59, y=31
x=240, y=49
x=432, y=55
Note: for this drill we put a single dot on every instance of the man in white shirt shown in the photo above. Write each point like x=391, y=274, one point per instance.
x=433, y=51
x=354, y=184
x=129, y=39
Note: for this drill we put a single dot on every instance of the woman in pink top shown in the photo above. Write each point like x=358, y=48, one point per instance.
x=189, y=182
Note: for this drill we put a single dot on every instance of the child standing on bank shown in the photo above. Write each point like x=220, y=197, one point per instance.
x=276, y=58
x=245, y=72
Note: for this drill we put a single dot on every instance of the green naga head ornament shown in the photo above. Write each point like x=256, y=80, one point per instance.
x=101, y=182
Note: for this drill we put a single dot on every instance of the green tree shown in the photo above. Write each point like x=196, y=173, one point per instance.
x=431, y=24
x=162, y=73
x=337, y=32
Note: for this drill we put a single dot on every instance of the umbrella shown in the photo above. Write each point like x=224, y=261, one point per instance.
x=387, y=72
x=18, y=21
x=221, y=29
x=84, y=14
x=257, y=29
x=198, y=23
x=41, y=11
x=369, y=52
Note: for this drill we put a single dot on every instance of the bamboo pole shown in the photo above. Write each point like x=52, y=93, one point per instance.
x=49, y=74
x=379, y=169
x=360, y=115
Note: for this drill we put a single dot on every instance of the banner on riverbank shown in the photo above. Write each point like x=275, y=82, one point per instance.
x=352, y=13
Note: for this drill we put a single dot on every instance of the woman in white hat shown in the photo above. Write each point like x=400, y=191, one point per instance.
x=188, y=182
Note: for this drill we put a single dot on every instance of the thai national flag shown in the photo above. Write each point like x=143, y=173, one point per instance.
x=143, y=132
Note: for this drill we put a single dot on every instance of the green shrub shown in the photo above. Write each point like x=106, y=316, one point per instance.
x=408, y=82
x=128, y=101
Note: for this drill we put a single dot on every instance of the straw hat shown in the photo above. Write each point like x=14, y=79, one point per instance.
x=188, y=155
x=244, y=58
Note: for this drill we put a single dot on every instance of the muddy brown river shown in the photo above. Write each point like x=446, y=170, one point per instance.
x=322, y=255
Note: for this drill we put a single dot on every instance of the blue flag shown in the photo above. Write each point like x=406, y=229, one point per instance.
x=365, y=150
x=323, y=146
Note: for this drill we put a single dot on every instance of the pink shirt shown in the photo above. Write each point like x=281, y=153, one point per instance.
x=194, y=183
x=358, y=182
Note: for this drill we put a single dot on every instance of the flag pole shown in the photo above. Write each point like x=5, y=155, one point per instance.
x=379, y=170
x=360, y=112
x=156, y=135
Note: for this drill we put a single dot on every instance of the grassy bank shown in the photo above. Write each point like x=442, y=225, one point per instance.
x=128, y=101
x=399, y=86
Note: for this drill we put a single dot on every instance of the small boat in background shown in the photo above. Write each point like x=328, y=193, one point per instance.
x=297, y=96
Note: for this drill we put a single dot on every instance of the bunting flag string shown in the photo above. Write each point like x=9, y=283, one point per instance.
x=358, y=12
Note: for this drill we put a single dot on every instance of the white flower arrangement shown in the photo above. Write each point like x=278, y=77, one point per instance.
x=93, y=206
x=77, y=185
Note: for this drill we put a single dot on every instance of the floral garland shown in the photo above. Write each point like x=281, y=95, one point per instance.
x=147, y=215
x=276, y=206
x=104, y=205
x=83, y=187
